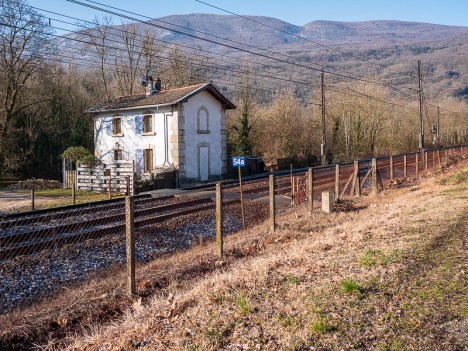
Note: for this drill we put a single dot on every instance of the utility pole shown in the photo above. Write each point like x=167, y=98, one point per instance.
x=421, y=112
x=323, y=149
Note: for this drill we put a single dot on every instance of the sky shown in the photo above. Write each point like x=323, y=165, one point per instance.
x=298, y=12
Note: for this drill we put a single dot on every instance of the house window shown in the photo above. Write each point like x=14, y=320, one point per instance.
x=203, y=121
x=148, y=160
x=147, y=124
x=117, y=125
x=118, y=155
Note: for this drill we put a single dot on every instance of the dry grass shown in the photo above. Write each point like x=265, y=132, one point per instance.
x=387, y=277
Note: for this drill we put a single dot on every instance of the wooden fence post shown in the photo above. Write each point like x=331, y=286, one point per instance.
x=417, y=164
x=433, y=159
x=310, y=190
x=73, y=192
x=391, y=167
x=405, y=167
x=438, y=159
x=425, y=162
x=219, y=219
x=110, y=187
x=357, y=182
x=374, y=176
x=130, y=244
x=32, y=199
x=127, y=181
x=446, y=156
x=293, y=188
x=272, y=203
x=337, y=183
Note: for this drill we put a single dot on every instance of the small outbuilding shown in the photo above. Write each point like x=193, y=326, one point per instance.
x=178, y=130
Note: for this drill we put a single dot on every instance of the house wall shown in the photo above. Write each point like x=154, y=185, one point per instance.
x=211, y=137
x=190, y=138
x=130, y=140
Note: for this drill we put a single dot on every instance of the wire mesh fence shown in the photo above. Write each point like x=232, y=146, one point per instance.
x=43, y=251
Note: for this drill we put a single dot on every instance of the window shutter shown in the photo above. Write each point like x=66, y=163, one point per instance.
x=139, y=161
x=138, y=124
x=109, y=126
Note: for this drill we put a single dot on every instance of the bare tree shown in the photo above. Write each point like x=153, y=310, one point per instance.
x=96, y=37
x=24, y=39
x=127, y=59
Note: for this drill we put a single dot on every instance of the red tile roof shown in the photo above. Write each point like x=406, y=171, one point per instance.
x=161, y=98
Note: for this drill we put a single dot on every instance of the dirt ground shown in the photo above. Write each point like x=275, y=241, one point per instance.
x=384, y=272
x=15, y=202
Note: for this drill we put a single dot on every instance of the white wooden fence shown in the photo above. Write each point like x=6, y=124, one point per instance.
x=96, y=179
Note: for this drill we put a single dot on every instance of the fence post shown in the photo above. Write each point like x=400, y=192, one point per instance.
x=374, y=176
x=127, y=180
x=438, y=159
x=357, y=182
x=405, y=166
x=130, y=244
x=391, y=167
x=219, y=219
x=310, y=190
x=110, y=187
x=417, y=164
x=73, y=192
x=337, y=183
x=433, y=159
x=272, y=203
x=446, y=156
x=32, y=199
x=425, y=162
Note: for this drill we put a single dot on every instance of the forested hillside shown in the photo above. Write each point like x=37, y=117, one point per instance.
x=269, y=68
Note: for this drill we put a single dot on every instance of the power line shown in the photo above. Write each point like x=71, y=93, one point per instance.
x=300, y=37
x=213, y=41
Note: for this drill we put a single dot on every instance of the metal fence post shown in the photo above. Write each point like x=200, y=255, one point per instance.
x=219, y=219
x=405, y=166
x=130, y=244
x=391, y=167
x=337, y=182
x=272, y=204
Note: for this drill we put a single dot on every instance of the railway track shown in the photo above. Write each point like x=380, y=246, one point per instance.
x=22, y=234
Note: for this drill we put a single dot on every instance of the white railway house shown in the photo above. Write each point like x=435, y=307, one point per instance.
x=179, y=129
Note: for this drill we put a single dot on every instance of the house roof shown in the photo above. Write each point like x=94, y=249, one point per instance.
x=161, y=98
